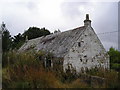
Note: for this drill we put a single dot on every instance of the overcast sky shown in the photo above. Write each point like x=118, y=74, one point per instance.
x=19, y=15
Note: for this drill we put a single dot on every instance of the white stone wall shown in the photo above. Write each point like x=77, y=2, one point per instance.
x=89, y=54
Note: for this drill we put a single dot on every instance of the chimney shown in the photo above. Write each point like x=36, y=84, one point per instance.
x=87, y=22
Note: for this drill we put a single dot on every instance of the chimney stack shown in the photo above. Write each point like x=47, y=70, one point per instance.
x=87, y=22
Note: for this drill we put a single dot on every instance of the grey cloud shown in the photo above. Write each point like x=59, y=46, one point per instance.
x=19, y=16
x=108, y=22
x=104, y=18
x=71, y=9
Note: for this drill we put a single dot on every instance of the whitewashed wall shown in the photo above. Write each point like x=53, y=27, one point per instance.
x=89, y=54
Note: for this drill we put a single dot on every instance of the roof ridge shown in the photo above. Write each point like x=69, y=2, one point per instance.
x=58, y=43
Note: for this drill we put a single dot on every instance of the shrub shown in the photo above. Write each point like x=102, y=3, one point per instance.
x=111, y=76
x=25, y=70
x=115, y=66
x=78, y=83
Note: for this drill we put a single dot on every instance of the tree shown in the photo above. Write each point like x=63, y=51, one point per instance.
x=114, y=59
x=56, y=31
x=6, y=38
x=17, y=41
x=114, y=55
x=34, y=32
x=6, y=41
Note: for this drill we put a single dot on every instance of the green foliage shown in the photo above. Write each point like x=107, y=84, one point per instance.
x=34, y=32
x=68, y=75
x=31, y=33
x=115, y=66
x=8, y=58
x=25, y=70
x=114, y=55
x=6, y=41
x=114, y=59
x=111, y=77
x=17, y=41
x=56, y=31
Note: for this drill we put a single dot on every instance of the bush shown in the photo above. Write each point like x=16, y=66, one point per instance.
x=21, y=77
x=114, y=59
x=115, y=66
x=111, y=76
x=9, y=58
x=25, y=70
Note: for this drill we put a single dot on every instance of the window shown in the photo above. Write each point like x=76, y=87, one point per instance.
x=82, y=70
x=73, y=50
x=79, y=44
x=96, y=55
x=86, y=69
x=85, y=56
x=85, y=35
x=80, y=59
x=48, y=63
x=92, y=60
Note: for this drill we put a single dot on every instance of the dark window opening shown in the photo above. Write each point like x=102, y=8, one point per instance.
x=73, y=50
x=79, y=44
x=96, y=55
x=82, y=70
x=48, y=63
x=80, y=59
x=85, y=56
x=92, y=60
x=86, y=69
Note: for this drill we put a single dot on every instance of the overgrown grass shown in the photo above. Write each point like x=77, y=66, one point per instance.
x=26, y=70
x=111, y=77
